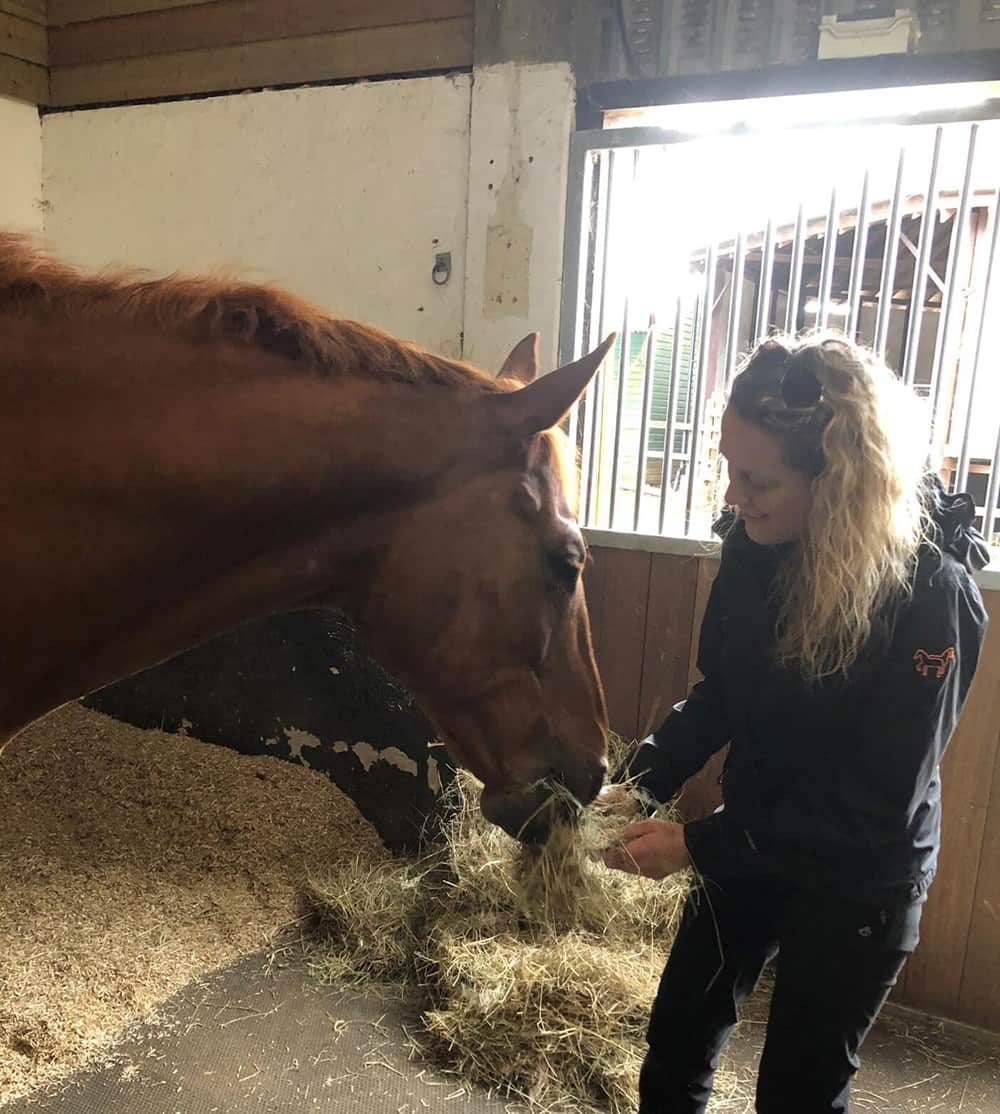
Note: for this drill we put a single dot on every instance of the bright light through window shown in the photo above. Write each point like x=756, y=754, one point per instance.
x=764, y=215
x=807, y=110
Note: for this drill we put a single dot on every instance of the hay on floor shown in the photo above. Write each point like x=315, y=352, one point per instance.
x=558, y=1021
x=132, y=863
x=536, y=970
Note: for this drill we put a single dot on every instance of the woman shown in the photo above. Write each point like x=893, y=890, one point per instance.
x=837, y=649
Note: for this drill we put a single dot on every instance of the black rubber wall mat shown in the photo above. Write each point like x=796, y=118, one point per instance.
x=277, y=686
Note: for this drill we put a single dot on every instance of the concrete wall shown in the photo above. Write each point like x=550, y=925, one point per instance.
x=20, y=166
x=344, y=193
x=522, y=119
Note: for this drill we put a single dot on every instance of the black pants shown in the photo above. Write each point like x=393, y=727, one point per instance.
x=836, y=963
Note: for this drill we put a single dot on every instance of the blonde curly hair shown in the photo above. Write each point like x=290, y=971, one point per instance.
x=847, y=421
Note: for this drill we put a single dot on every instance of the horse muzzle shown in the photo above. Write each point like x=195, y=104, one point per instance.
x=528, y=813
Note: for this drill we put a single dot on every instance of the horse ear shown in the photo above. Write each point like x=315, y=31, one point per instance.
x=522, y=363
x=544, y=403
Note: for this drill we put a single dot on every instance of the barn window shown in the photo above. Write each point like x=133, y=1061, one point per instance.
x=694, y=230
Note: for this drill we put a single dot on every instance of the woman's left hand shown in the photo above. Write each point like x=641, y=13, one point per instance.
x=652, y=848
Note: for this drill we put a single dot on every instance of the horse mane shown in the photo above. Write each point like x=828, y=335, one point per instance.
x=34, y=284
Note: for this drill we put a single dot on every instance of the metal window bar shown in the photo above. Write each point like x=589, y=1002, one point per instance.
x=829, y=259
x=671, y=430
x=962, y=474
x=704, y=350
x=955, y=255
x=992, y=490
x=887, y=285
x=919, y=288
x=858, y=257
x=576, y=291
x=735, y=308
x=624, y=367
x=625, y=344
x=596, y=389
x=585, y=279
x=763, y=322
x=647, y=398
x=795, y=273
x=584, y=327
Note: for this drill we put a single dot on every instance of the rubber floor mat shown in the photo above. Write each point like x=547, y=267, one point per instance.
x=252, y=1039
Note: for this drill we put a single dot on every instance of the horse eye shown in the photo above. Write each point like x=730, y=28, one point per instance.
x=565, y=569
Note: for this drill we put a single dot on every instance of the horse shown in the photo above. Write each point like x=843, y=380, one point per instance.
x=183, y=455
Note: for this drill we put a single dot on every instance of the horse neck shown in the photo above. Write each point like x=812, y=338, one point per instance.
x=316, y=468
x=219, y=490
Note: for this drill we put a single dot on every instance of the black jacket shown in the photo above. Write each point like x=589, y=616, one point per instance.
x=834, y=784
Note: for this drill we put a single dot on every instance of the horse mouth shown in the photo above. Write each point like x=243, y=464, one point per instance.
x=530, y=813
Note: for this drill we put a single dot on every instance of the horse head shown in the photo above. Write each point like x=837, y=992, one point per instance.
x=494, y=638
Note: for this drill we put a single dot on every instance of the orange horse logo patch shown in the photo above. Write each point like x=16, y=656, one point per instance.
x=938, y=664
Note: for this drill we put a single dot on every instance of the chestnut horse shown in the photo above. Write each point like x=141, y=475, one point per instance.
x=180, y=456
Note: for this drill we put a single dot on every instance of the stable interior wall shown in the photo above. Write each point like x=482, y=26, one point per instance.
x=20, y=166
x=345, y=194
x=522, y=120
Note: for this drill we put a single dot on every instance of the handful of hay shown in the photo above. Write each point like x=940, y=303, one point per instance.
x=537, y=968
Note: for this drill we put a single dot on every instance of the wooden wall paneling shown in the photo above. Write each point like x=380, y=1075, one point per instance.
x=442, y=44
x=31, y=10
x=934, y=976
x=673, y=585
x=24, y=80
x=234, y=22
x=701, y=794
x=707, y=568
x=620, y=643
x=22, y=38
x=979, y=993
x=62, y=12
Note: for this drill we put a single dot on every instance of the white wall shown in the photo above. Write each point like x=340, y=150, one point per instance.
x=522, y=119
x=20, y=166
x=342, y=193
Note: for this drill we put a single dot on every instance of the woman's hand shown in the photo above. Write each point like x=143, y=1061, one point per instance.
x=652, y=848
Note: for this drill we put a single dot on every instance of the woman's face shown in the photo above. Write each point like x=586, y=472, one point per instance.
x=773, y=498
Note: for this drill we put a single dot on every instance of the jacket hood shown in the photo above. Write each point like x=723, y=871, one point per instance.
x=953, y=517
